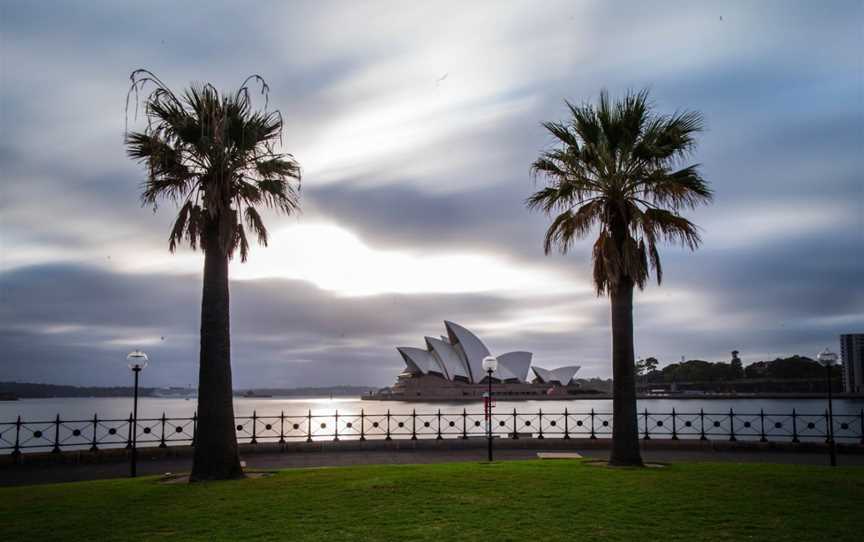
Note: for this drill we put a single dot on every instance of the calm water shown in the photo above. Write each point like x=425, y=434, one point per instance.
x=152, y=407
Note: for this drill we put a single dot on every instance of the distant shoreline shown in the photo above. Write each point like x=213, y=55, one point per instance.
x=25, y=390
x=29, y=390
x=591, y=397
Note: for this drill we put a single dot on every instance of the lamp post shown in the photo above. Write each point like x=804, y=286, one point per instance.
x=828, y=359
x=137, y=361
x=490, y=365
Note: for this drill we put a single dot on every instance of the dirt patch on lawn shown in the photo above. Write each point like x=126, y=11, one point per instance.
x=604, y=463
x=183, y=478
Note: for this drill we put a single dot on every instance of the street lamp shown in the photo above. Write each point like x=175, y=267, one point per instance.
x=137, y=361
x=828, y=359
x=490, y=365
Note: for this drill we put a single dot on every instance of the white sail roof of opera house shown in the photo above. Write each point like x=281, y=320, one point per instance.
x=472, y=348
x=420, y=361
x=561, y=375
x=449, y=358
x=518, y=363
x=459, y=356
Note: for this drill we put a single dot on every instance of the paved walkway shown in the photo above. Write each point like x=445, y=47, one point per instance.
x=25, y=475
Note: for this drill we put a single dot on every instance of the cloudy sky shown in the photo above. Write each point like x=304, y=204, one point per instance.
x=415, y=124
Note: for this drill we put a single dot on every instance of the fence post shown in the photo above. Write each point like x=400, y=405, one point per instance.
x=17, y=450
x=732, y=426
x=254, y=427
x=56, y=449
x=162, y=439
x=336, y=427
x=674, y=426
x=515, y=430
x=194, y=427
x=464, y=424
x=762, y=438
x=362, y=425
x=647, y=436
x=388, y=426
x=593, y=434
x=414, y=424
x=129, y=436
x=540, y=423
x=93, y=446
x=282, y=429
x=794, y=427
x=702, y=425
x=828, y=427
x=439, y=437
x=566, y=425
x=309, y=426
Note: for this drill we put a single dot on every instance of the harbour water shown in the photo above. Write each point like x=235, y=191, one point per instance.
x=84, y=408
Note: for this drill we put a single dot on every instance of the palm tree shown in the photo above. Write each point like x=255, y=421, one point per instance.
x=216, y=159
x=620, y=167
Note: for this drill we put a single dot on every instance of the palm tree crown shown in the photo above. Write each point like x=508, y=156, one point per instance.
x=215, y=157
x=620, y=167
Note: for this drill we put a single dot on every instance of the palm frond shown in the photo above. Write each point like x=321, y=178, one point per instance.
x=654, y=258
x=253, y=220
x=562, y=133
x=676, y=136
x=572, y=225
x=178, y=231
x=673, y=228
x=241, y=242
x=682, y=188
x=604, y=255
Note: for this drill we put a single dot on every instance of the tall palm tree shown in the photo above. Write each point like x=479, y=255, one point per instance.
x=620, y=167
x=216, y=158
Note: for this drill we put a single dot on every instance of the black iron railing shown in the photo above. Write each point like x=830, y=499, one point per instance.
x=59, y=434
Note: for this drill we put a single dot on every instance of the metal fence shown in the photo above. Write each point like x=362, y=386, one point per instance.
x=55, y=435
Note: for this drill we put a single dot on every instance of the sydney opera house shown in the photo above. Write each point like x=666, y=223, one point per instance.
x=450, y=368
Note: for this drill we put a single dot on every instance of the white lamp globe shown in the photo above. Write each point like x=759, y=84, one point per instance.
x=490, y=364
x=826, y=357
x=137, y=360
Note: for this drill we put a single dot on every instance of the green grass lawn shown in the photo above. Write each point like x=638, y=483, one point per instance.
x=525, y=500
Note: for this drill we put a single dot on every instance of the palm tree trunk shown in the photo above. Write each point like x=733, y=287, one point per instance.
x=216, y=456
x=625, y=435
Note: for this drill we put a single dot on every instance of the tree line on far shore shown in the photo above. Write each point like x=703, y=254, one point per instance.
x=36, y=390
x=696, y=370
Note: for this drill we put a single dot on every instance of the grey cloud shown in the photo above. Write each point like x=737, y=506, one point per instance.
x=69, y=316
x=402, y=214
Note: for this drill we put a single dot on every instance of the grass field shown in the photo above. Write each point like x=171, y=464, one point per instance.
x=525, y=500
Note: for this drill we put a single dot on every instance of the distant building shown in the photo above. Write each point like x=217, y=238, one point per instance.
x=450, y=368
x=852, y=354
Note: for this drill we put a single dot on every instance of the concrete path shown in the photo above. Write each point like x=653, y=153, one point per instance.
x=41, y=474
